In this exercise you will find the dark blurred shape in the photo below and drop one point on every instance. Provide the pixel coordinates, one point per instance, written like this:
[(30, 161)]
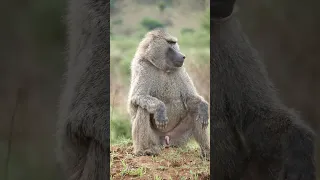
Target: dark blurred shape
[(221, 8), (32, 37), (286, 34)]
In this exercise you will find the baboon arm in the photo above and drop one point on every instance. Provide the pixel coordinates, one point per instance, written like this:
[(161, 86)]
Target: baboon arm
[(151, 104), (92, 123), (140, 92), (193, 100)]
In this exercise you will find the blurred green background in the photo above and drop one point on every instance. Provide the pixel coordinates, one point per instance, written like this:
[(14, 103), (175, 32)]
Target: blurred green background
[(32, 61), (189, 21), (33, 49)]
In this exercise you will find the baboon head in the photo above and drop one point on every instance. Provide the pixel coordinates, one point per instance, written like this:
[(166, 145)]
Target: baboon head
[(161, 49)]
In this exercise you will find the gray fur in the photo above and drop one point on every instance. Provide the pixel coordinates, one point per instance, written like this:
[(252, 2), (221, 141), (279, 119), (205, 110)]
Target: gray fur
[(83, 126), (255, 136), (163, 100)]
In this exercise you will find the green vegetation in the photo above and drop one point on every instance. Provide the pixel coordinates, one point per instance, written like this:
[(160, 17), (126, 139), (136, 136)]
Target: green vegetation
[(150, 24), (120, 128), (206, 20), (162, 6)]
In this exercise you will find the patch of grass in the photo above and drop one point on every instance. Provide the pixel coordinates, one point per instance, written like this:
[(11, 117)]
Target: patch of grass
[(122, 141), (157, 177), (176, 163), (132, 171), (120, 128), (162, 168), (194, 175)]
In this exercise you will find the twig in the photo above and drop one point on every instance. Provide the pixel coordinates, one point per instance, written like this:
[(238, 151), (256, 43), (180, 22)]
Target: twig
[(6, 171)]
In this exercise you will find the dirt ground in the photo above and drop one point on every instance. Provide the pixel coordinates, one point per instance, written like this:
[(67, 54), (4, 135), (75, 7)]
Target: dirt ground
[(172, 163)]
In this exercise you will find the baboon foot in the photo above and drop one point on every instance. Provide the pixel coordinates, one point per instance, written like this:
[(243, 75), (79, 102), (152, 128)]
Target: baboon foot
[(148, 152), (205, 154)]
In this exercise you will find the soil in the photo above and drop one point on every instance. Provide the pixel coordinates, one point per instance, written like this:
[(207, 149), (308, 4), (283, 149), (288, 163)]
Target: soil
[(172, 163)]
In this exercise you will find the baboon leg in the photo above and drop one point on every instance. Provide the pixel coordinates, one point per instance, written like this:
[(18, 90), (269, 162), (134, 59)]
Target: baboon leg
[(145, 140), (202, 138), (189, 127), (96, 165), (180, 139), (181, 134)]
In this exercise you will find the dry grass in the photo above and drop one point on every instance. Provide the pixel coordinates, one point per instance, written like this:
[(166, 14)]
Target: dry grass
[(172, 163)]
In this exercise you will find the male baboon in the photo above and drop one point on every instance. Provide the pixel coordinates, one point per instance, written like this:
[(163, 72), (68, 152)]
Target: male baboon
[(164, 105), (254, 136), (83, 129)]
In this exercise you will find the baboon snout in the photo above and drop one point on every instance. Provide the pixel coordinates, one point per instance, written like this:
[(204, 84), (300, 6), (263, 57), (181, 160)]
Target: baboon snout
[(179, 59), (175, 57)]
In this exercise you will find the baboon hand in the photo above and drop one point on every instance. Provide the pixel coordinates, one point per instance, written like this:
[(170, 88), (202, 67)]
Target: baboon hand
[(161, 118), (203, 115)]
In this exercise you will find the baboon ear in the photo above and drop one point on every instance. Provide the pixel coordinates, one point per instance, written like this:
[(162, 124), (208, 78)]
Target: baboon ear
[(148, 47), (149, 50)]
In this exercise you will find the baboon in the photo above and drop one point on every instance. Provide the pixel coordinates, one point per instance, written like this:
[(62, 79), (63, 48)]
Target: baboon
[(254, 135), (83, 124), (164, 106)]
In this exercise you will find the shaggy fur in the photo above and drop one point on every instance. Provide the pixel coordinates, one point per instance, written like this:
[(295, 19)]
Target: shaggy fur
[(83, 128), (163, 102), (254, 136)]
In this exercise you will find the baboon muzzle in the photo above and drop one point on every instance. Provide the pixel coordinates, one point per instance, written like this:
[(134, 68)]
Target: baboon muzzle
[(176, 57)]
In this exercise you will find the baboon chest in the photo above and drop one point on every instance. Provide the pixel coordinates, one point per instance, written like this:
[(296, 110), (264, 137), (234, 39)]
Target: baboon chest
[(167, 89), (171, 92)]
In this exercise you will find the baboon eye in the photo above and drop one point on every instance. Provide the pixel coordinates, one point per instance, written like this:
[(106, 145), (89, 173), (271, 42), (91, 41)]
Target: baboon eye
[(171, 42)]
